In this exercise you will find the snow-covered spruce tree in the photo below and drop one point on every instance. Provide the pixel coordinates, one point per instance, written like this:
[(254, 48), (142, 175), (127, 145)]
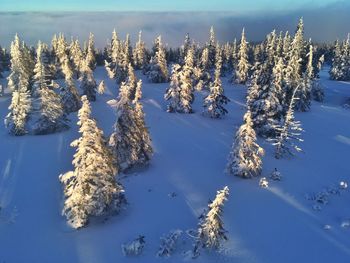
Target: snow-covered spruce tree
[(60, 54), (234, 55), (241, 71), (16, 65), (88, 83), (76, 55), (201, 73), (46, 114), (186, 87), (20, 107), (113, 53), (345, 60), (304, 101), (289, 131), (227, 61), (317, 91), (132, 82), (279, 47), (139, 53), (266, 98), (68, 92), (91, 189), (215, 101), (19, 81), (130, 141), (270, 50), (157, 69), (300, 44), (211, 230), (22, 65), (286, 46), (90, 55), (114, 48), (145, 139), (2, 61), (101, 89), (211, 48), (172, 93), (168, 243), (119, 59), (128, 49), (335, 72), (245, 157), (294, 65), (180, 92)]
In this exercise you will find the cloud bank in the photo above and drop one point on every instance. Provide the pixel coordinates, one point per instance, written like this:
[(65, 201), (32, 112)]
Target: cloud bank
[(322, 25)]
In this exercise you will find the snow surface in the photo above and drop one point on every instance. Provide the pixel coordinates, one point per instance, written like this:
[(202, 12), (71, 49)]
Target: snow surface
[(274, 224)]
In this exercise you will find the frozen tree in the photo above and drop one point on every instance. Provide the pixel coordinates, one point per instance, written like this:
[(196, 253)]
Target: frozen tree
[(20, 107), (241, 71), (234, 55), (211, 230), (2, 62), (293, 71), (19, 81), (90, 54), (279, 47), (211, 48), (180, 92), (138, 92), (173, 94), (135, 247), (88, 83), (69, 95), (276, 175), (101, 87), (186, 90), (22, 65), (336, 69), (139, 54), (91, 189), (119, 59), (114, 48), (286, 46), (183, 50), (289, 132), (317, 91), (168, 243), (145, 142), (185, 83), (47, 114), (130, 141), (245, 157), (76, 55), (128, 49), (340, 69), (157, 70), (16, 66), (304, 92), (201, 73), (270, 50), (132, 82), (215, 101), (227, 58), (266, 97), (61, 54)]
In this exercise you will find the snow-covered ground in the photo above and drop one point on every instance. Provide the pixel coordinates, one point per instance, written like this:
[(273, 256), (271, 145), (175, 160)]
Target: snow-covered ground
[(277, 224)]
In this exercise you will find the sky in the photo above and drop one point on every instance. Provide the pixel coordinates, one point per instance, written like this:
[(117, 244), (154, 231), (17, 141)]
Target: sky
[(237, 6)]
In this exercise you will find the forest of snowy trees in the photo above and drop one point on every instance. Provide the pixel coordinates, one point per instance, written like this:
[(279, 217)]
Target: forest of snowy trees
[(49, 82)]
